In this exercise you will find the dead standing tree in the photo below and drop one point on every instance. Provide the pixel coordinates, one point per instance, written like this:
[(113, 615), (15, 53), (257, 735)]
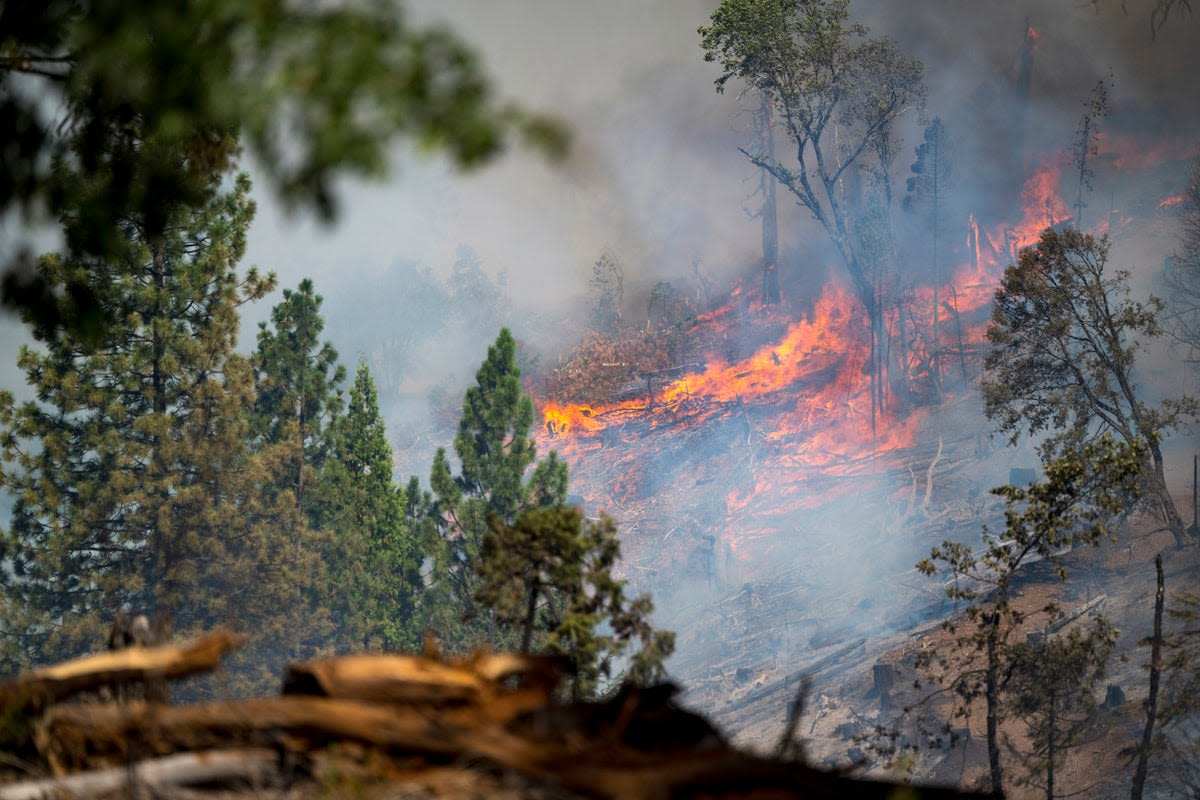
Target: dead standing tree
[(836, 92)]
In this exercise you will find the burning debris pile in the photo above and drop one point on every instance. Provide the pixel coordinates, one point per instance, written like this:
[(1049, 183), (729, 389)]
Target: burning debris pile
[(488, 725)]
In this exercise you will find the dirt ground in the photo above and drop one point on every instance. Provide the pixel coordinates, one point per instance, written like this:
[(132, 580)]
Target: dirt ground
[(911, 731)]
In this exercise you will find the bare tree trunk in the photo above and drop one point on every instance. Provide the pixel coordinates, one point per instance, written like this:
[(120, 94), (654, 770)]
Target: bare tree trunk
[(962, 354), (1050, 720), (770, 221), (992, 696), (1169, 512), (1139, 774)]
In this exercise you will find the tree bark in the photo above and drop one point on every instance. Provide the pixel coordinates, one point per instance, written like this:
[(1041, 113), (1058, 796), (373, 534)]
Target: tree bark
[(992, 696), (1050, 720), (770, 219), (1139, 774), (117, 666), (1158, 477), (530, 614)]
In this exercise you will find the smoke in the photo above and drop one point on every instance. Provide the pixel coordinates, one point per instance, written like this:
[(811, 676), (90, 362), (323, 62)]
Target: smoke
[(654, 175)]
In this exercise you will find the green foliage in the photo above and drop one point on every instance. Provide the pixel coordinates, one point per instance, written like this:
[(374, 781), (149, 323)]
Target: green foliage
[(1052, 688), (297, 400), (550, 574), (132, 481), (837, 93), (494, 451), (1065, 336), (298, 379), (374, 564), (514, 567), (1071, 506), (151, 100), (1178, 715)]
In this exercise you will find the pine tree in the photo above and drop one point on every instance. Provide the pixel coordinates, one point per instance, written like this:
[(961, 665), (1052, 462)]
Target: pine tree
[(297, 402), (373, 562), (515, 567), (495, 451), (298, 396), (1051, 686), (1072, 506), (549, 574), (133, 486)]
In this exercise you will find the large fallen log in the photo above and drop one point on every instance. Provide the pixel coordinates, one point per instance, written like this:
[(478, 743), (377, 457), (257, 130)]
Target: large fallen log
[(250, 768), (597, 750), (89, 673), (86, 736), (397, 678), (383, 717)]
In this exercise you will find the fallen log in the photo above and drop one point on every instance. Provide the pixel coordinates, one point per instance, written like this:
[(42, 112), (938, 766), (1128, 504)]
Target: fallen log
[(85, 736), (1068, 617), (602, 751), (250, 768), (397, 678), (89, 673)]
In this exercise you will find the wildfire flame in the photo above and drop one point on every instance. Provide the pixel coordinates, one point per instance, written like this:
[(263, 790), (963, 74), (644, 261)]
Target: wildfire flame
[(807, 396)]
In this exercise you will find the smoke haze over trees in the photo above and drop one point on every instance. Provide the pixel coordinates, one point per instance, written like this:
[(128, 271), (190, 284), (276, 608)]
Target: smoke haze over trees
[(776, 441)]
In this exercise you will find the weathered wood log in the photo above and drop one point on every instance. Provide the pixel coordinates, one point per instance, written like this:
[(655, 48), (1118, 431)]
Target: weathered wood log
[(86, 736), (165, 662), (1070, 616), (636, 746), (249, 767), (392, 677)]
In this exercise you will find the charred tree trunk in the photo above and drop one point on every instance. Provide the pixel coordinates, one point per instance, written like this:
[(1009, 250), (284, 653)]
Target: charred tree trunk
[(770, 219), (962, 353), (1139, 774), (1024, 82)]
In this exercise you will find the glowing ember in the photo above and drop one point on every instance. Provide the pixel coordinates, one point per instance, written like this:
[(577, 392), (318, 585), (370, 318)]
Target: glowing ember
[(1173, 200)]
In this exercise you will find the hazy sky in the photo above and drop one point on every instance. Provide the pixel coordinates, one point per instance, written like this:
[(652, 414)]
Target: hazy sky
[(654, 173)]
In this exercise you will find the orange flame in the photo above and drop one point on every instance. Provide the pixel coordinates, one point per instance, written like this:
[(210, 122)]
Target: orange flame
[(1173, 200), (810, 390)]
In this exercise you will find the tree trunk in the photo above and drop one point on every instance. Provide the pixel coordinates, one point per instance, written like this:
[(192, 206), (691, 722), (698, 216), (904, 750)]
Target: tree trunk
[(937, 277), (770, 221), (1169, 512), (161, 586), (1050, 720), (530, 614), (992, 696), (1139, 774)]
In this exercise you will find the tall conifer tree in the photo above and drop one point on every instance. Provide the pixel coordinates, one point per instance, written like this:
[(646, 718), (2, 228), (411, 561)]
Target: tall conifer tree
[(374, 563), (131, 481), (495, 450), (298, 379)]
